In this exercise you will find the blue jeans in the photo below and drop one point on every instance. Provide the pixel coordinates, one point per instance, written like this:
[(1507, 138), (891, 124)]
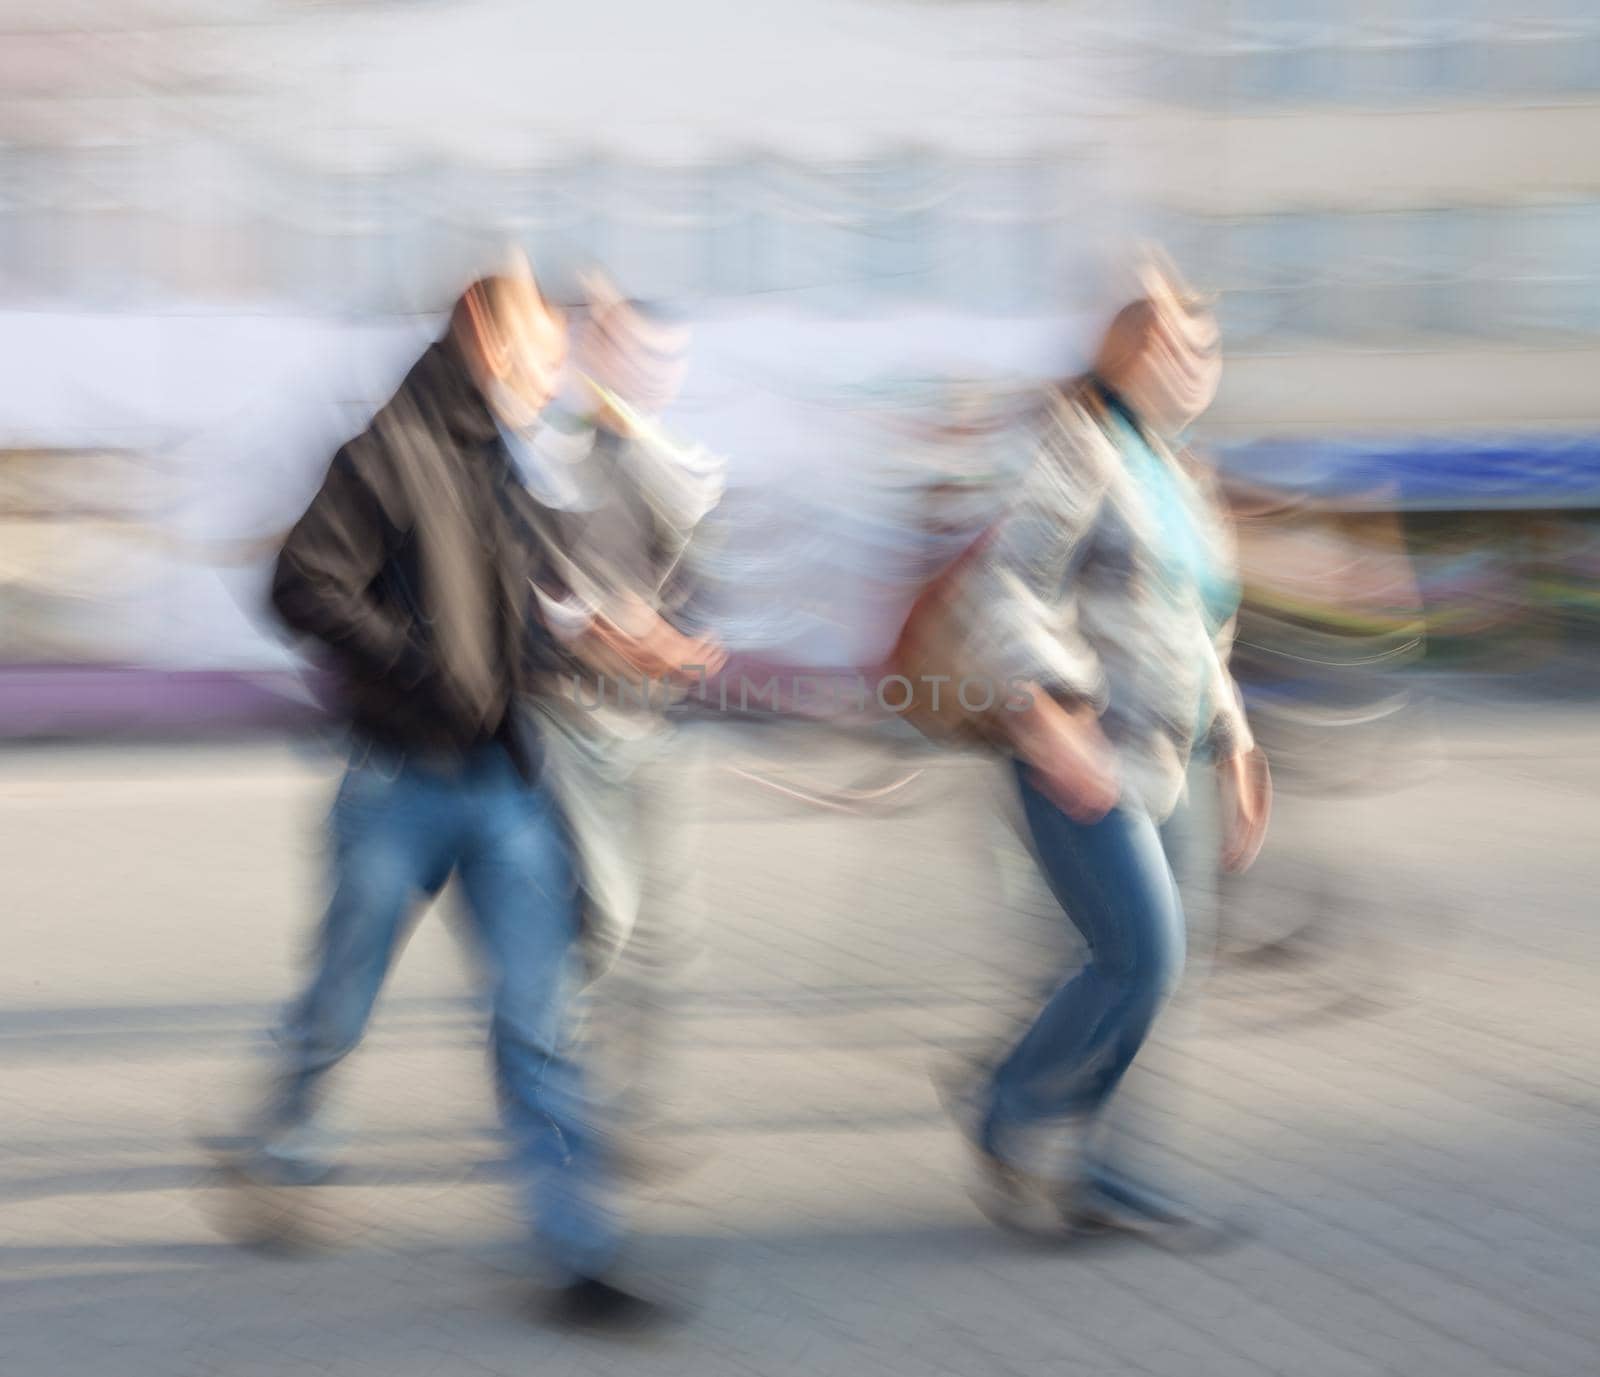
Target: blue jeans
[(399, 828), (1113, 880)]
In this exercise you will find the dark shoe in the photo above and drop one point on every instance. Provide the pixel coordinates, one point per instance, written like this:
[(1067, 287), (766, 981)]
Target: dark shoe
[(596, 1304), (293, 1155), (261, 1199), (1012, 1197), (964, 1091), (1115, 1206)]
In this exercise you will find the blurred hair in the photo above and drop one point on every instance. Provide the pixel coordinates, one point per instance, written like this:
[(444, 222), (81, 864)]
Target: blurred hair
[(1134, 327), (491, 295), (1127, 337), (565, 280)]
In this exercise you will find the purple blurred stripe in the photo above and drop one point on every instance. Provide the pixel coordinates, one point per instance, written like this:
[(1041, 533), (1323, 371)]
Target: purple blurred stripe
[(76, 700), (39, 701)]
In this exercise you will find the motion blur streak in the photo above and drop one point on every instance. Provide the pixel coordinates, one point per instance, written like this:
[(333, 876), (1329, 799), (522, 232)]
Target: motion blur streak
[(916, 609)]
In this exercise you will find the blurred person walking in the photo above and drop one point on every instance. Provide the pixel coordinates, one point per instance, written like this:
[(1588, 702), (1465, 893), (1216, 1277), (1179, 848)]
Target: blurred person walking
[(414, 568), (1103, 590), (619, 502)]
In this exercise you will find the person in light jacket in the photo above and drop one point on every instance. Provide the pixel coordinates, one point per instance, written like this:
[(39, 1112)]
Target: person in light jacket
[(1105, 592)]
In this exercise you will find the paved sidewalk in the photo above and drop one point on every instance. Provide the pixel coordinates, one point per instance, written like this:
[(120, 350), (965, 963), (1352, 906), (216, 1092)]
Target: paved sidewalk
[(1410, 1123)]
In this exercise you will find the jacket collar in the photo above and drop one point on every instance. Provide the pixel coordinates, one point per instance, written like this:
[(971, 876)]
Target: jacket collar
[(1113, 401), (442, 380)]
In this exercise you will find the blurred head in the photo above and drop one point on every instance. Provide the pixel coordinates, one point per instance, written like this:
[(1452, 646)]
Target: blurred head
[(514, 342), (629, 346), (1162, 355)]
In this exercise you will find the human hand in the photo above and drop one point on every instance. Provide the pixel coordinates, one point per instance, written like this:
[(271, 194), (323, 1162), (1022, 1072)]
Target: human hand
[(1071, 760), (1246, 794)]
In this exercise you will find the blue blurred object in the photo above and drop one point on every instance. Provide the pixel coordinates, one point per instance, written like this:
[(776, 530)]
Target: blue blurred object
[(1509, 473)]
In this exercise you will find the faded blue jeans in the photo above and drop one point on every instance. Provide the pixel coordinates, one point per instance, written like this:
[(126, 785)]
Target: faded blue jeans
[(1113, 881), (399, 828)]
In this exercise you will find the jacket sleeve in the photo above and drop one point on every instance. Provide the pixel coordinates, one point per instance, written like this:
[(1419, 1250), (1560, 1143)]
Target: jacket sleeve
[(682, 482), (1018, 608), (1227, 732), (322, 584)]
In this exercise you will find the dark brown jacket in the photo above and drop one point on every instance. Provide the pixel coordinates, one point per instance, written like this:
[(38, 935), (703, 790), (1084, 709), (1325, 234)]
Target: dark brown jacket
[(414, 568)]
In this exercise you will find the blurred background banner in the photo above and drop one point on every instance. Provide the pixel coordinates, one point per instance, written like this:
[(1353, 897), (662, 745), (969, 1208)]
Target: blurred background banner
[(228, 225)]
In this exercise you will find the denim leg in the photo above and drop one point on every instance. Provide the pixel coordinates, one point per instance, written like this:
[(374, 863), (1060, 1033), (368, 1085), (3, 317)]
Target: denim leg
[(1112, 879), (518, 880), (390, 828)]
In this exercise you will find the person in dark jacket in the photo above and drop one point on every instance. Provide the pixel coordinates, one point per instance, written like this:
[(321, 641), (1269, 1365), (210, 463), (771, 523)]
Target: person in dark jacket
[(418, 571)]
